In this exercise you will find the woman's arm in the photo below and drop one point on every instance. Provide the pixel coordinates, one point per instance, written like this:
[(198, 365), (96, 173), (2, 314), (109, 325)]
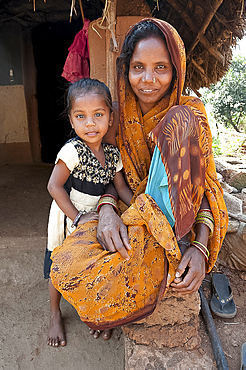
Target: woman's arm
[(110, 136), (111, 231), (194, 260), (123, 190)]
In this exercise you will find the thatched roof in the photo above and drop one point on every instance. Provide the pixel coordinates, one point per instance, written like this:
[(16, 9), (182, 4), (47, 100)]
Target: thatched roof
[(209, 28)]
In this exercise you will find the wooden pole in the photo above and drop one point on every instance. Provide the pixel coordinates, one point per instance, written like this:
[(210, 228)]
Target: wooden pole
[(203, 40), (110, 50), (214, 7)]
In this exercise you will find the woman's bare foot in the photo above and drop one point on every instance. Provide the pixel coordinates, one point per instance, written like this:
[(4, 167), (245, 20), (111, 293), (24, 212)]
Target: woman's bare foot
[(106, 334), (56, 333)]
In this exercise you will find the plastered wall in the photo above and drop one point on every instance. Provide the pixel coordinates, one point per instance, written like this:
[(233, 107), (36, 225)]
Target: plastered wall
[(14, 138)]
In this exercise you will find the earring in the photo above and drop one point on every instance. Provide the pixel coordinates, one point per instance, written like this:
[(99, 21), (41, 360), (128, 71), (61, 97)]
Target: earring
[(154, 80)]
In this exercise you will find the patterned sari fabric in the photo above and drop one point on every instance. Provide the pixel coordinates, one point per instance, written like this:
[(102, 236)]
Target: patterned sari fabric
[(106, 290)]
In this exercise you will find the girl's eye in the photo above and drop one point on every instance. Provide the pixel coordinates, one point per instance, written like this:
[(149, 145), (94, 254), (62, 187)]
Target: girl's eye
[(160, 66), (80, 116), (98, 115)]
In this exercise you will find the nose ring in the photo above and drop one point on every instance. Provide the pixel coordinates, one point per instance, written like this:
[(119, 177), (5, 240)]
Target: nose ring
[(154, 80)]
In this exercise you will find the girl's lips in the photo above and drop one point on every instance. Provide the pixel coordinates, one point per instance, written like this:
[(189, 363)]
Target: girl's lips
[(92, 133)]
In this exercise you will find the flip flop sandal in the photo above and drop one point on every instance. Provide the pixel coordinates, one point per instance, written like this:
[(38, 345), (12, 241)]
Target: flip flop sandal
[(222, 303), (243, 356)]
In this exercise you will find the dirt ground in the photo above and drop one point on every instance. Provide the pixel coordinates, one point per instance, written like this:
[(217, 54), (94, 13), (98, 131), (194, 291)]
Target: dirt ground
[(24, 305)]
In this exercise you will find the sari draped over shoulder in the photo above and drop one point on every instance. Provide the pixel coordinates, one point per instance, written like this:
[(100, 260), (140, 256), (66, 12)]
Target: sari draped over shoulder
[(106, 290)]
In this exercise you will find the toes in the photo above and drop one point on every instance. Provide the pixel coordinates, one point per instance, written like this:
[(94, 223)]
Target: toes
[(54, 342), (107, 334), (97, 334), (91, 331)]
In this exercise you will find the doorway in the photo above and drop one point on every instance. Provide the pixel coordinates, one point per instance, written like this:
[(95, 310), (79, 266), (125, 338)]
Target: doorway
[(50, 47)]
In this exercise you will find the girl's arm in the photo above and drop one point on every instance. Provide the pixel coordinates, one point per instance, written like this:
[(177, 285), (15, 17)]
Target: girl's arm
[(56, 189), (123, 190)]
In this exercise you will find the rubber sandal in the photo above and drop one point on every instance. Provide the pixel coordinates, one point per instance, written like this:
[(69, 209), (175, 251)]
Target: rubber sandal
[(222, 303), (243, 356)]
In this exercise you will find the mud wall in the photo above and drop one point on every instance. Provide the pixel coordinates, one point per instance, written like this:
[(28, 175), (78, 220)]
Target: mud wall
[(14, 130)]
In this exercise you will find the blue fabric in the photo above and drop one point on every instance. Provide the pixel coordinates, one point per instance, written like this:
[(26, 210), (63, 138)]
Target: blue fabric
[(157, 186)]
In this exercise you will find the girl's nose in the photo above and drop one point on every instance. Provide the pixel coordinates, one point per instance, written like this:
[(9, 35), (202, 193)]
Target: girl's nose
[(90, 122)]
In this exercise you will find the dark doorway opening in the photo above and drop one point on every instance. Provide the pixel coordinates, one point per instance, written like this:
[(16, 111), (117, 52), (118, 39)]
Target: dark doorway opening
[(50, 45)]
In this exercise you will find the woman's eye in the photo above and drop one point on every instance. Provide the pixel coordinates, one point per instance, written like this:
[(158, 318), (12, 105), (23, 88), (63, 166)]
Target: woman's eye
[(160, 66), (98, 115), (80, 116), (138, 67)]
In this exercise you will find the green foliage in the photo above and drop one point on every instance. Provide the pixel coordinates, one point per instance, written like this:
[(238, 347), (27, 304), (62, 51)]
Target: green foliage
[(228, 97), (217, 147), (229, 143)]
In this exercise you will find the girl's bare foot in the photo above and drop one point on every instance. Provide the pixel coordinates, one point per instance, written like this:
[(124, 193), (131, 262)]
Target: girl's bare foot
[(56, 333), (106, 334)]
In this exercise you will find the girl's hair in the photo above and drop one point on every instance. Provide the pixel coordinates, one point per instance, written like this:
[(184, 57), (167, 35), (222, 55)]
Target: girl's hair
[(87, 86), (140, 31)]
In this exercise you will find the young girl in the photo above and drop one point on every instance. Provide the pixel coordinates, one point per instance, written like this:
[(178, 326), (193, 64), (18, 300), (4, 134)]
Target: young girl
[(83, 169)]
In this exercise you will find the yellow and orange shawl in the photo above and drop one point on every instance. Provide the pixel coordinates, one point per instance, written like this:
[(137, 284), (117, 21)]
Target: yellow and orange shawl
[(106, 290)]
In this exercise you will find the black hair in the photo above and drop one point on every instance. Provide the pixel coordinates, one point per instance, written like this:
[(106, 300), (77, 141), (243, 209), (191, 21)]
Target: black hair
[(86, 86), (139, 31)]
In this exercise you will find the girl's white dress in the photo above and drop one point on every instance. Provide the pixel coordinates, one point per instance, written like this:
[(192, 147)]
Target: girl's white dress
[(87, 182)]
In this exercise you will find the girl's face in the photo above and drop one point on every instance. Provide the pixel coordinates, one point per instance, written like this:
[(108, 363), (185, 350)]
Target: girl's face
[(90, 117), (150, 72)]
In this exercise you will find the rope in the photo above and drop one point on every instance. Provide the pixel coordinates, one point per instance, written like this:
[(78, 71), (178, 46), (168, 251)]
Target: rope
[(72, 9), (109, 26)]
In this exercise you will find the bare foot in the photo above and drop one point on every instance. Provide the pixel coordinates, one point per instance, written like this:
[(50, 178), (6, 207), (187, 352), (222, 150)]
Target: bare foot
[(56, 333), (106, 334)]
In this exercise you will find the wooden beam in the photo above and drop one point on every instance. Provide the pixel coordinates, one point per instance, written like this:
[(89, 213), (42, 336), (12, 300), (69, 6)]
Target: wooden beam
[(203, 40), (200, 69), (110, 52), (206, 22)]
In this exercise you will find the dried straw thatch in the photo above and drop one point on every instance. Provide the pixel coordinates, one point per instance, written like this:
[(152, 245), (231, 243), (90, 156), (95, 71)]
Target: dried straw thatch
[(209, 28)]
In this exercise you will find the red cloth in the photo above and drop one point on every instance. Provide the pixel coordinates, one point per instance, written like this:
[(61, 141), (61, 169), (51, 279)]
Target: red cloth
[(77, 62)]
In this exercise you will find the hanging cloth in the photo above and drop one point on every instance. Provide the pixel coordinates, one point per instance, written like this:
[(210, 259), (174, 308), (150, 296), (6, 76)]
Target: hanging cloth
[(78, 59)]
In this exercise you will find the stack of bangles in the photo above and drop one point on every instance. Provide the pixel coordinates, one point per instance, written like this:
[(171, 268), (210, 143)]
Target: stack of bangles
[(205, 216), (108, 199), (204, 250)]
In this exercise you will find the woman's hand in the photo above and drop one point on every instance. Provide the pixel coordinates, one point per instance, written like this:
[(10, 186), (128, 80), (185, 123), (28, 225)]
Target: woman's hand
[(112, 233), (90, 216), (193, 261)]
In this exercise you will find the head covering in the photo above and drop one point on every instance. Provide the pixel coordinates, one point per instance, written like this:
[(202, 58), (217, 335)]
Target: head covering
[(175, 130), (176, 50), (134, 128)]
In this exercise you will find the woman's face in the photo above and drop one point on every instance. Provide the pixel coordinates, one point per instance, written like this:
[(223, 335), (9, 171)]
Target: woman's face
[(150, 72)]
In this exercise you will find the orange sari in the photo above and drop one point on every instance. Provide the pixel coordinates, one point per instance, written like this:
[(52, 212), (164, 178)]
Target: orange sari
[(106, 290)]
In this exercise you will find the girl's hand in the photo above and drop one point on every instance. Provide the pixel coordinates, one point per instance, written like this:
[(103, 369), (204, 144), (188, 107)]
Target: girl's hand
[(112, 233), (91, 216), (193, 261)]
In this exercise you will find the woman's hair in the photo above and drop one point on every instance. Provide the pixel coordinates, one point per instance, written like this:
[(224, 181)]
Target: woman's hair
[(87, 86), (139, 31)]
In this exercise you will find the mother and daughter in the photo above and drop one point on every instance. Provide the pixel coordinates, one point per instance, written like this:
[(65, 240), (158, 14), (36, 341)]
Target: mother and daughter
[(114, 265)]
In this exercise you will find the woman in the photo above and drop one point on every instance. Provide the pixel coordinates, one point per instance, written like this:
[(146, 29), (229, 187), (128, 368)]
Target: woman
[(166, 148)]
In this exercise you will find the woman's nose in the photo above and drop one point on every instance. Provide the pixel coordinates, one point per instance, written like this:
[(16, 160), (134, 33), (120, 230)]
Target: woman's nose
[(148, 76)]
